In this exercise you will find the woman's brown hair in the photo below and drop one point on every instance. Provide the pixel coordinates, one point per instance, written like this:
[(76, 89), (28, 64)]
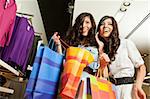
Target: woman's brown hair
[(74, 35), (113, 43)]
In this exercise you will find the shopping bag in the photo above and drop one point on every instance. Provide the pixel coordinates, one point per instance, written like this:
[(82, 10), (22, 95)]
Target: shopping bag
[(48, 76), (45, 74), (76, 60), (88, 90), (79, 93), (33, 76), (84, 89), (101, 88)]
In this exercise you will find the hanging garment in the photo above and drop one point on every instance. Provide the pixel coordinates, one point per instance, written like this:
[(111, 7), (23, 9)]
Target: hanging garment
[(34, 49), (21, 44), (7, 21), (32, 54), (6, 51)]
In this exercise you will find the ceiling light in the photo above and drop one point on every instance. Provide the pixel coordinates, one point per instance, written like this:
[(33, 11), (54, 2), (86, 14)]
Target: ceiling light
[(123, 9), (126, 3)]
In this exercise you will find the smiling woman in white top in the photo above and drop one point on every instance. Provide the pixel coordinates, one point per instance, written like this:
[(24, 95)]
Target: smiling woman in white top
[(124, 57)]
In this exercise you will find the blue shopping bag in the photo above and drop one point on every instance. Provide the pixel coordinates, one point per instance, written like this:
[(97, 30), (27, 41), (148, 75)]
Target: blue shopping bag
[(48, 74), (34, 74)]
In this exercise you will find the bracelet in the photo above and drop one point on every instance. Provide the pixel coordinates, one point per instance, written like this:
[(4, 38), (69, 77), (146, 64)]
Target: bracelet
[(58, 44)]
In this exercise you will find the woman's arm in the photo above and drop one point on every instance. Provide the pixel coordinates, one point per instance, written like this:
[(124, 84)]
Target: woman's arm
[(56, 39), (137, 87), (141, 72), (103, 58), (59, 48)]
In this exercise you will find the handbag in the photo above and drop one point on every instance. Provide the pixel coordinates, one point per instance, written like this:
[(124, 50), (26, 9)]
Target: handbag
[(76, 60), (47, 72)]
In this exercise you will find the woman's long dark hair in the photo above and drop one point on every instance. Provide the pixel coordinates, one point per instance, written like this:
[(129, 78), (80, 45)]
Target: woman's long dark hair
[(113, 43), (74, 36)]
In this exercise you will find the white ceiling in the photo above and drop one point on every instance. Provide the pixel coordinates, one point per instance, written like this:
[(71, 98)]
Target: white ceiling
[(134, 15)]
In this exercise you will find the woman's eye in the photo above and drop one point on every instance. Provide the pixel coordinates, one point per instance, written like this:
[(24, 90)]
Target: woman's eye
[(102, 23), (87, 22)]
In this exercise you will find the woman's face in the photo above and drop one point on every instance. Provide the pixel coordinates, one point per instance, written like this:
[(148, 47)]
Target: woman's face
[(106, 28), (86, 26)]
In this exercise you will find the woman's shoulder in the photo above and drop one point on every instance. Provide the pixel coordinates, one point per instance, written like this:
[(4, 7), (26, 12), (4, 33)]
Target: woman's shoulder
[(92, 49), (129, 42), (126, 41)]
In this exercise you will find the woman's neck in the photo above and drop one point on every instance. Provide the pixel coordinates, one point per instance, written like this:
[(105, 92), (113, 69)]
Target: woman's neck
[(106, 39)]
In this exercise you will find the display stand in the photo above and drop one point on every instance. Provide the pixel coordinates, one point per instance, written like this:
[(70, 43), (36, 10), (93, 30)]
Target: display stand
[(10, 72)]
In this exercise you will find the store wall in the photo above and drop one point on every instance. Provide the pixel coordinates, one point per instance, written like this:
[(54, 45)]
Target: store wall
[(31, 7)]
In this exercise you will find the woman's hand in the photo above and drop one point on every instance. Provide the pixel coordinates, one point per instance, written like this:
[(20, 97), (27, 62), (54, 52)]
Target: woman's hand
[(138, 92), (56, 38), (104, 60), (100, 43)]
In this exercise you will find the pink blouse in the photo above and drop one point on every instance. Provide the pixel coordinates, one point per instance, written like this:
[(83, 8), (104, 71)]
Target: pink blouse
[(7, 20)]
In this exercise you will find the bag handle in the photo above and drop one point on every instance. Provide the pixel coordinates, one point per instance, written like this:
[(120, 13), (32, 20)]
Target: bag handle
[(51, 41), (102, 72), (64, 44)]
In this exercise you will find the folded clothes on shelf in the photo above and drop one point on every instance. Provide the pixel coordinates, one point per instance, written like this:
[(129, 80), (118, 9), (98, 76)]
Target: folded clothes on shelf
[(2, 80)]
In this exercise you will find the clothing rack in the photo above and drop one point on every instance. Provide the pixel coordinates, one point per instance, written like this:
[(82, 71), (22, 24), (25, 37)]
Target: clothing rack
[(30, 15), (38, 33), (6, 69), (26, 14)]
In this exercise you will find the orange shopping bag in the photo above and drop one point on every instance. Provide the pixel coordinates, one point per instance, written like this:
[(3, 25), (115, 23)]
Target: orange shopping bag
[(76, 60), (102, 89)]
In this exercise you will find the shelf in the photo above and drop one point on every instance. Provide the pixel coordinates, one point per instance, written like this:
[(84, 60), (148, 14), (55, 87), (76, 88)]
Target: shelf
[(147, 77), (8, 67), (146, 83), (11, 73), (6, 90)]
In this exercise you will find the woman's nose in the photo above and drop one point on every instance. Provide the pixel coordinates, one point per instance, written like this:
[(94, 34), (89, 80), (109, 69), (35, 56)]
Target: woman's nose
[(84, 24), (105, 25)]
